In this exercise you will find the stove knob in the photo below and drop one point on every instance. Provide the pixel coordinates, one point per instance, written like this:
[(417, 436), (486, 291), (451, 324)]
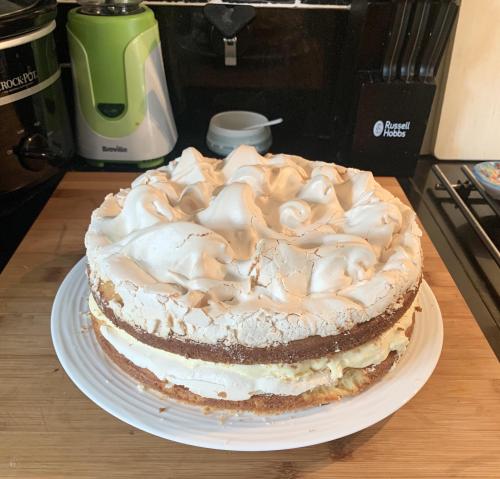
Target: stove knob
[(34, 152)]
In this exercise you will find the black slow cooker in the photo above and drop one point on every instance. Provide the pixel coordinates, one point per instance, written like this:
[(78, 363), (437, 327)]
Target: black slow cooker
[(35, 133)]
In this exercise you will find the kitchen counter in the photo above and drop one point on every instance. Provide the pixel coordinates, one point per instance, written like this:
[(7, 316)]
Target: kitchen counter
[(49, 429)]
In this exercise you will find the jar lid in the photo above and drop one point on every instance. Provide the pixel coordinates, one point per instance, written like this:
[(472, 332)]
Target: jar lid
[(22, 16)]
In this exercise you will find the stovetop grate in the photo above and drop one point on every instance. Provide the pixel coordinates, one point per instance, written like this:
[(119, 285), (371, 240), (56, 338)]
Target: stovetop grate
[(460, 192)]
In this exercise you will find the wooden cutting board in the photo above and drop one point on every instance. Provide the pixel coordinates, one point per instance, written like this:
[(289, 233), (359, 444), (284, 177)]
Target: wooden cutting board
[(49, 429)]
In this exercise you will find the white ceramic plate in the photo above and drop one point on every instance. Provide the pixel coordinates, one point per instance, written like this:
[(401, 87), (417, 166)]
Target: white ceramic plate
[(106, 385)]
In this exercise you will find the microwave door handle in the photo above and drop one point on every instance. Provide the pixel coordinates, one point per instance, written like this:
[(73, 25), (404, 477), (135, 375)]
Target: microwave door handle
[(396, 40), (417, 32)]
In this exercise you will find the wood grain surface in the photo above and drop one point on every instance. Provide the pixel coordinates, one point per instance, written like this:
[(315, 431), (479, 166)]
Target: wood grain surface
[(49, 429)]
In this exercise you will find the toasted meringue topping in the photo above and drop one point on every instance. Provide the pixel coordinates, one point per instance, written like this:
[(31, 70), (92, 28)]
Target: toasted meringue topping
[(253, 250)]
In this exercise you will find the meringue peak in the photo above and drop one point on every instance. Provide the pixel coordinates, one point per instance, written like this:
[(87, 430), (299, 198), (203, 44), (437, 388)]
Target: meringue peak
[(277, 234)]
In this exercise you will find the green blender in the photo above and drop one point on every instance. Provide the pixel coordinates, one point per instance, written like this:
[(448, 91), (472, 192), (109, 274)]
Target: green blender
[(123, 111)]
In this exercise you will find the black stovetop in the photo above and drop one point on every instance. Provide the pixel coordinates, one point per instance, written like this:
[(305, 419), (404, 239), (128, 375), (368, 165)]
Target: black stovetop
[(466, 256)]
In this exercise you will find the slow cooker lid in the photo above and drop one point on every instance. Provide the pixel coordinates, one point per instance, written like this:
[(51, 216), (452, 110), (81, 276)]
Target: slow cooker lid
[(21, 16)]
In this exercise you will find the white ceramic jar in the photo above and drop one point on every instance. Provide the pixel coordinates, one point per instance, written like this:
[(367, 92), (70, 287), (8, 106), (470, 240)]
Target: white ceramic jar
[(226, 132)]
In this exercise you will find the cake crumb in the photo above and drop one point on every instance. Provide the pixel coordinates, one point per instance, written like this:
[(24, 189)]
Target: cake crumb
[(223, 419), (162, 409), (85, 329), (207, 410), (418, 308), (222, 394)]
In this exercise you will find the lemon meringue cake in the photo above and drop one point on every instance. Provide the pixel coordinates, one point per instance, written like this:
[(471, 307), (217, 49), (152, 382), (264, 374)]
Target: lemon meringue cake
[(259, 283)]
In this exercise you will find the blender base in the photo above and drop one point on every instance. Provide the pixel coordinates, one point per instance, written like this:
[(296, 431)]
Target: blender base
[(143, 165)]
